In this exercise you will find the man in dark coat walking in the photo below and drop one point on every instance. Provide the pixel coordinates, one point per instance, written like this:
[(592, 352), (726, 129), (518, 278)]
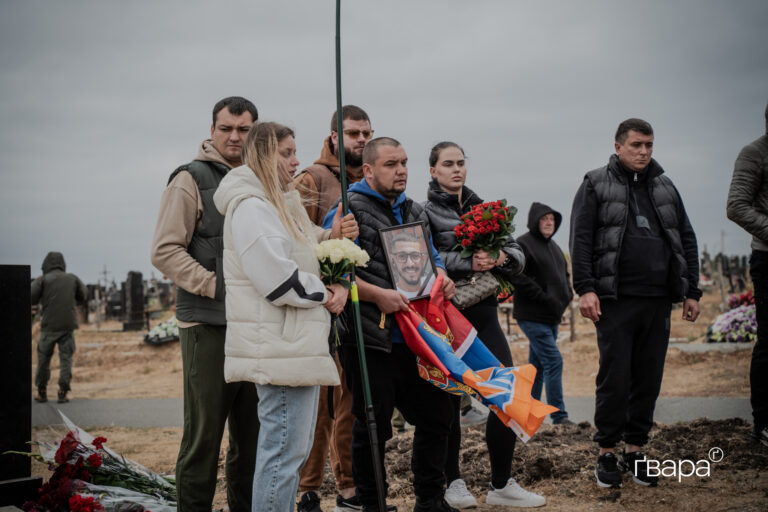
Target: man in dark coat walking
[(748, 207), (542, 292), (633, 254), (58, 292)]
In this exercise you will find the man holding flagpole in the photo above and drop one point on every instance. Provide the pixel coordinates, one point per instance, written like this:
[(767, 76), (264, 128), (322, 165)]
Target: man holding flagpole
[(379, 201), (320, 188)]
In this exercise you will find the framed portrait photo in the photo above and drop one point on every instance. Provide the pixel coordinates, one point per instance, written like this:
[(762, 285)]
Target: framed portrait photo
[(411, 265)]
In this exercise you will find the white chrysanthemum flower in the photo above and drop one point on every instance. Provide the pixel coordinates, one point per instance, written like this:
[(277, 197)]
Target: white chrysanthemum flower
[(362, 259), (336, 254), (335, 251)]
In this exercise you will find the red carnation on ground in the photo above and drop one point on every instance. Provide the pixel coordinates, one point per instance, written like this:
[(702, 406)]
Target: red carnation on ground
[(94, 460), (79, 468), (67, 446), (78, 503)]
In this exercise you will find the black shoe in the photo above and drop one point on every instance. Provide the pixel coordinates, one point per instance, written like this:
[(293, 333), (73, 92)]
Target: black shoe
[(42, 395), (62, 397), (756, 437), (607, 471), (634, 463), (348, 504), (309, 502), (563, 421), (436, 504)]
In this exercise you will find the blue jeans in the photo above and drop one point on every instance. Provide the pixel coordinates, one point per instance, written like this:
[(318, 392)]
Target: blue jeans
[(287, 415), (545, 356)]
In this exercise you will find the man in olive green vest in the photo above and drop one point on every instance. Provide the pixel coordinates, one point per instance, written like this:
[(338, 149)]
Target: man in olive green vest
[(187, 247)]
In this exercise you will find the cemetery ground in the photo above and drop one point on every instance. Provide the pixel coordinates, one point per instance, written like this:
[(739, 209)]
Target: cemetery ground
[(557, 463)]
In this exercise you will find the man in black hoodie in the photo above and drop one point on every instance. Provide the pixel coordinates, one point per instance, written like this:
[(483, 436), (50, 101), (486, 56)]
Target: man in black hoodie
[(633, 253), (542, 292), (58, 292)]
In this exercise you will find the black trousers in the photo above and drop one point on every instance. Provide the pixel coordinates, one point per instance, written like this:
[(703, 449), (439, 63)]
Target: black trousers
[(499, 438), (632, 336), (758, 370), (395, 382)]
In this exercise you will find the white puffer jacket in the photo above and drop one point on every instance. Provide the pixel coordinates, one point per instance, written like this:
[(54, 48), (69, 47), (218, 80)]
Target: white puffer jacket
[(277, 328)]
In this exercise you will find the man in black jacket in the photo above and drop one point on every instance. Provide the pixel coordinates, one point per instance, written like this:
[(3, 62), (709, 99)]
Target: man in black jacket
[(58, 292), (542, 292), (748, 207), (633, 254), (379, 201)]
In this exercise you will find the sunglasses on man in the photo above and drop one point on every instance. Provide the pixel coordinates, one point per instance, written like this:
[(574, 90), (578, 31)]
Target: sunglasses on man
[(367, 134)]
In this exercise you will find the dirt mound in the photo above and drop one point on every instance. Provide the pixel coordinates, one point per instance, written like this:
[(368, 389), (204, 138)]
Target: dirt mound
[(559, 464)]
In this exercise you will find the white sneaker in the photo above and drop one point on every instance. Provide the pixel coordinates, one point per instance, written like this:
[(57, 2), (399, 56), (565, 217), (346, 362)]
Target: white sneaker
[(474, 416), (513, 495), (458, 496)]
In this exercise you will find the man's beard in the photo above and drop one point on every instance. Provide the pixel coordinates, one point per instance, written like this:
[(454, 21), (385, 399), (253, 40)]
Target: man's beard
[(352, 159), (412, 281)]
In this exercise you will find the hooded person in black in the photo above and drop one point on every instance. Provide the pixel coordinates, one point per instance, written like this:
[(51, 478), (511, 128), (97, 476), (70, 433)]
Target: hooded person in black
[(542, 292), (58, 292)]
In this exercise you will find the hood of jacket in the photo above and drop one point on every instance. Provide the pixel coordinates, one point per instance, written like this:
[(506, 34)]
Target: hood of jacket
[(207, 153), (537, 211), (362, 187), (242, 182), (54, 261), (238, 182), (330, 160), (327, 157)]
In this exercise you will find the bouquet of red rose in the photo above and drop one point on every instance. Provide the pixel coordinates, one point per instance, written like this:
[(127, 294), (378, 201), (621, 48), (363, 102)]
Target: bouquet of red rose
[(487, 227)]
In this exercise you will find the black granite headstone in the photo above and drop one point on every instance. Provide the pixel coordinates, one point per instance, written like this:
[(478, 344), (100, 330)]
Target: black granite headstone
[(16, 485), (134, 302)]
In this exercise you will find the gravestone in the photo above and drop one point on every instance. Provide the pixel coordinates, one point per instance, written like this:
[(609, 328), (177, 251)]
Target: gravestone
[(134, 302), (16, 485)]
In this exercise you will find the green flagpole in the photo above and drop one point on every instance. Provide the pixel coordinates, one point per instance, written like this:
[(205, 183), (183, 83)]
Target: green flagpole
[(369, 413)]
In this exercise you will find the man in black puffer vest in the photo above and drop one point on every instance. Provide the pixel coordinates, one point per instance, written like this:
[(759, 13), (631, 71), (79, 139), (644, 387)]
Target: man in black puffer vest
[(542, 292), (379, 201), (633, 254), (188, 248)]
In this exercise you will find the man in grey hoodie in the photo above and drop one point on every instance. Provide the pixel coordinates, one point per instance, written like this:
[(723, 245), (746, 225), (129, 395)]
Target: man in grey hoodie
[(748, 207), (58, 292)]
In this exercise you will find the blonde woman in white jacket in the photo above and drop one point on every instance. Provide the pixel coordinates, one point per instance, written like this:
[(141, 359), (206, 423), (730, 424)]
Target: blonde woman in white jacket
[(278, 309)]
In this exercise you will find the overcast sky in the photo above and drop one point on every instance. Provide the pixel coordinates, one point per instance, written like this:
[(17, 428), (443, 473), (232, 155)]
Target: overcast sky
[(101, 100)]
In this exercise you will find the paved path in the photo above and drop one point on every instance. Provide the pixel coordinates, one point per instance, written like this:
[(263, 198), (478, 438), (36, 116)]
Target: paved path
[(712, 347), (168, 412)]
